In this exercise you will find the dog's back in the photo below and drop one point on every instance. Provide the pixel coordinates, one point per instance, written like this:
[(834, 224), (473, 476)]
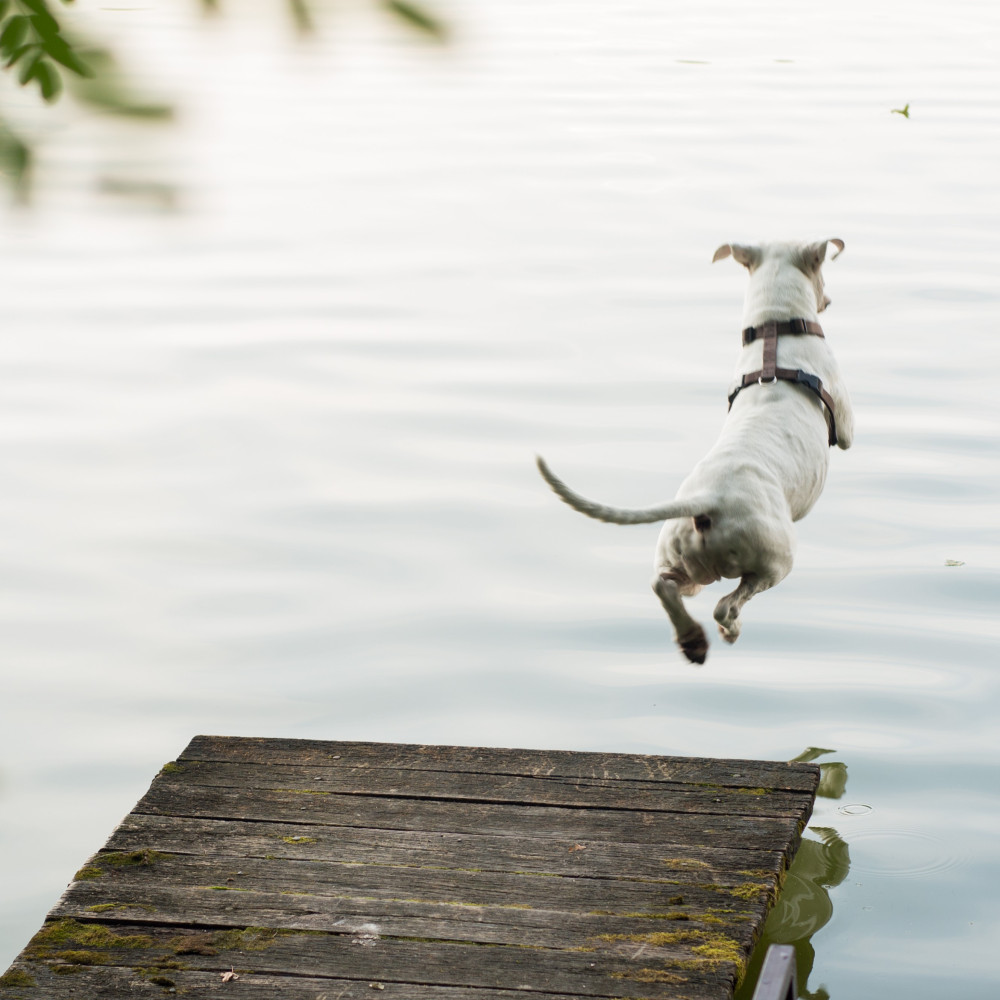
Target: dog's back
[(732, 516)]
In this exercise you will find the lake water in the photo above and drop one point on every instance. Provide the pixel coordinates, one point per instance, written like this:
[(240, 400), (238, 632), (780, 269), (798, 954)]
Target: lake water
[(266, 455)]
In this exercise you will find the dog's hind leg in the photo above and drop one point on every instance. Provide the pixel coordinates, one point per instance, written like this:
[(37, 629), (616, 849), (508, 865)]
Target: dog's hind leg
[(670, 586), (727, 611)]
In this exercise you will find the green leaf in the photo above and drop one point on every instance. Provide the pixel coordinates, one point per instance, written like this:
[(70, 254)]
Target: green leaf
[(48, 79), (59, 50), (46, 26), (14, 34), (18, 52), (28, 69), (4, 7), (417, 17), (38, 6)]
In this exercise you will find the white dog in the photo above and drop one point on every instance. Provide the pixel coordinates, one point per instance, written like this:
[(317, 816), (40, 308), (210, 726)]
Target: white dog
[(733, 515)]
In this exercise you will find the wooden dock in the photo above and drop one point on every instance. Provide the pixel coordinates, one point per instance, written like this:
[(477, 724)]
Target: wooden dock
[(306, 870)]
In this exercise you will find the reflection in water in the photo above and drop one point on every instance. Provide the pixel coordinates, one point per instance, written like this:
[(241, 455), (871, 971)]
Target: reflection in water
[(832, 774), (804, 905)]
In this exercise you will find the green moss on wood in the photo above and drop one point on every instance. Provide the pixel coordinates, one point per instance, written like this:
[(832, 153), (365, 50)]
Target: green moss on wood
[(129, 859), (172, 767), (84, 957), (88, 873), (659, 939), (160, 966), (753, 890), (711, 947), (723, 950), (91, 939), (16, 978), (195, 944), (250, 938), (716, 914), (106, 907), (650, 976), (300, 840), (686, 864)]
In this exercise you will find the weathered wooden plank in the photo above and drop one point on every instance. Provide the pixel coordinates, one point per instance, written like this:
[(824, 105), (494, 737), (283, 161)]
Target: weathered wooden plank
[(167, 905), (416, 848), (564, 823), (595, 968), (429, 873), (94, 983), (538, 891), (530, 763), (485, 787)]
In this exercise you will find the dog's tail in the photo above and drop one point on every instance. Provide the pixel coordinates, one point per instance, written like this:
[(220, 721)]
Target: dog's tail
[(694, 507)]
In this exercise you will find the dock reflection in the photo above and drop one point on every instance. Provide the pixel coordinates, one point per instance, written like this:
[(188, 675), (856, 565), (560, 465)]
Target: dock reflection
[(804, 906)]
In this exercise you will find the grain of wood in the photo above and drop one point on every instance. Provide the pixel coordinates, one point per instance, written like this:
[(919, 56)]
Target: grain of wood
[(345, 870)]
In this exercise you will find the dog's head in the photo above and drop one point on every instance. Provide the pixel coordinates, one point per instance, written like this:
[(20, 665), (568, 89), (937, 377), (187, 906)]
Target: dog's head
[(806, 257)]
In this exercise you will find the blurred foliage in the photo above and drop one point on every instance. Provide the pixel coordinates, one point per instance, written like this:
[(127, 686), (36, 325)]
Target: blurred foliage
[(31, 41), (417, 17), (106, 87), (15, 160), (33, 46)]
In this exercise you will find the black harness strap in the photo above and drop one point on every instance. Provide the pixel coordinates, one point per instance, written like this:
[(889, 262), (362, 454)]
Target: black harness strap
[(770, 373)]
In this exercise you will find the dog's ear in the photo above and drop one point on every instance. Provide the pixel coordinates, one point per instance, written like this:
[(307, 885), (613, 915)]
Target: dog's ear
[(814, 254), (749, 257)]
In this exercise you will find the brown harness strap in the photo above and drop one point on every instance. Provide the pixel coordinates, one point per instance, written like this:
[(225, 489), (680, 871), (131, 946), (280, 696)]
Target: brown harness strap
[(751, 333), (770, 373)]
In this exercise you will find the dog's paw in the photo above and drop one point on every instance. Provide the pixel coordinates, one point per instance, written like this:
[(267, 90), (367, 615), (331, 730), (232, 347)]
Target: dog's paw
[(732, 633), (694, 644), (728, 620)]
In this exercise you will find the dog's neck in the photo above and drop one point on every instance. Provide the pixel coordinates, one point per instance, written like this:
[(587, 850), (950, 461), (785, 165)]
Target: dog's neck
[(778, 293)]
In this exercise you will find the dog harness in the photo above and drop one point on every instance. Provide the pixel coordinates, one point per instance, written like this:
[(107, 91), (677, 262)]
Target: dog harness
[(770, 373)]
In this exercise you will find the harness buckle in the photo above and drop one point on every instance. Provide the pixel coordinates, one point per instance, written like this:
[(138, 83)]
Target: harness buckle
[(770, 381)]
